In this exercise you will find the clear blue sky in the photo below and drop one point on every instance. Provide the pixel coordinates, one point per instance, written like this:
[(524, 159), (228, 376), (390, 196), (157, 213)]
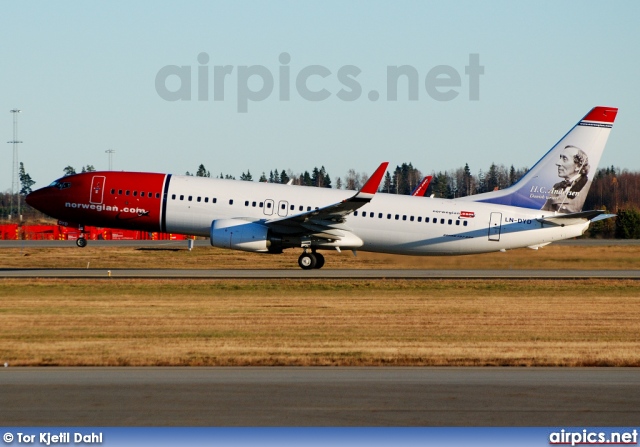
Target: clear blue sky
[(84, 75)]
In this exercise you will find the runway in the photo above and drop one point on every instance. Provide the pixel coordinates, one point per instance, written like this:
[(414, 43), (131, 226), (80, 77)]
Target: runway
[(316, 274), (320, 396)]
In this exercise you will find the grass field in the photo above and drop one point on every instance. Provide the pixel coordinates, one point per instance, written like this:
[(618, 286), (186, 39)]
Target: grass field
[(319, 322), (615, 257)]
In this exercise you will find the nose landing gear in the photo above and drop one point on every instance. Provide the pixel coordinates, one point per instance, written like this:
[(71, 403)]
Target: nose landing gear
[(81, 241)]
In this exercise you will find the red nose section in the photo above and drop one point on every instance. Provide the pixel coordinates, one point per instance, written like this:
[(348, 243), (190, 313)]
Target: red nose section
[(41, 199)]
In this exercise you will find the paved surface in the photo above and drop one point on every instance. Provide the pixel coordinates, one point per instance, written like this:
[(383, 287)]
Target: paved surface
[(318, 274), (205, 243), (320, 396)]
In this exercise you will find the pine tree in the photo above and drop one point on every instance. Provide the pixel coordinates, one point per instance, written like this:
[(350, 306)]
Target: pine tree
[(25, 181), (202, 172), (69, 170)]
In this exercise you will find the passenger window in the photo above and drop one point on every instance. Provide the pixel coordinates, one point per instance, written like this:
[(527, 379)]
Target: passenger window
[(126, 193), (419, 218), (308, 208), (457, 222), (370, 214), (426, 220), (388, 216), (442, 221), (292, 207), (283, 207), (269, 205), (190, 198), (397, 216), (450, 221), (246, 203), (181, 197), (206, 200), (113, 191), (135, 193), (157, 195), (119, 192), (142, 194), (404, 217), (355, 213), (411, 218), (214, 200), (253, 204), (199, 199), (173, 197), (261, 205), (230, 201), (379, 215), (464, 223)]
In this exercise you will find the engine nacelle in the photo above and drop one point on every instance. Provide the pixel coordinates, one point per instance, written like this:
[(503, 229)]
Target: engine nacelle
[(239, 234)]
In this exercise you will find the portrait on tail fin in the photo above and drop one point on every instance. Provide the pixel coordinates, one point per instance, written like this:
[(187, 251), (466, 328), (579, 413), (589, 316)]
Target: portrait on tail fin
[(568, 195)]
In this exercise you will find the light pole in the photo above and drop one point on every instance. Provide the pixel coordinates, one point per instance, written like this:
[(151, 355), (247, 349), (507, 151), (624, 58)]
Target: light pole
[(110, 152), (15, 181)]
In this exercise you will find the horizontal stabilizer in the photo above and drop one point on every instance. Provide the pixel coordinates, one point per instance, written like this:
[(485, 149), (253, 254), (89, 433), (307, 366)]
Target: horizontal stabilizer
[(576, 218)]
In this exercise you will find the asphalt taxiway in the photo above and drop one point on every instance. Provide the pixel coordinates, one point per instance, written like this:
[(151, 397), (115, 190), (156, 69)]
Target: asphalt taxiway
[(319, 396)]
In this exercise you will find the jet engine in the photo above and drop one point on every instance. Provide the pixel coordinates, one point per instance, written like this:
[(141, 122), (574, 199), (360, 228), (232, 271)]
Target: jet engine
[(238, 234)]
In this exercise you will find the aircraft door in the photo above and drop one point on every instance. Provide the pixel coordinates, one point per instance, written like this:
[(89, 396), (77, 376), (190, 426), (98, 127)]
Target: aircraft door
[(283, 208), (494, 226), (268, 207), (97, 189)]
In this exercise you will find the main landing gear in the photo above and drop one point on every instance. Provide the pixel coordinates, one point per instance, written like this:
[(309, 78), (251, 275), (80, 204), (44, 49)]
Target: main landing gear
[(308, 261)]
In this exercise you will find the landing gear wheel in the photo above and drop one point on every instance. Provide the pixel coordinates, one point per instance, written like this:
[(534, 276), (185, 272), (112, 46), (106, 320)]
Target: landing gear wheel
[(319, 260), (81, 242), (307, 261)]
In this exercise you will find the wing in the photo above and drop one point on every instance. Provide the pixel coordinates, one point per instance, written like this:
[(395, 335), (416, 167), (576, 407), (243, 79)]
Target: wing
[(328, 222)]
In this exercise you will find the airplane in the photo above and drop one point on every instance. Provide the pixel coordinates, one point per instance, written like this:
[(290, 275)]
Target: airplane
[(270, 218), (421, 189)]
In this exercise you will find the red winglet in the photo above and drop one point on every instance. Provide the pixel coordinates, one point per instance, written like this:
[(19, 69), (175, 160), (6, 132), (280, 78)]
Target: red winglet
[(602, 114), (422, 187), (374, 181)]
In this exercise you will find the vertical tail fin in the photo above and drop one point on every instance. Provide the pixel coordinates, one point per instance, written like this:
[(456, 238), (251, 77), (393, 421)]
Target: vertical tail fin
[(561, 179)]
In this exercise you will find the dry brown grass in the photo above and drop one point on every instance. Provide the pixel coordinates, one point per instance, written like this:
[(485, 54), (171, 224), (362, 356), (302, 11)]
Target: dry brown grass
[(616, 257), (314, 322)]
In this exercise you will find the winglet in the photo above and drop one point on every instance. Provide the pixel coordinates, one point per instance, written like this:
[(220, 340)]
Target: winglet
[(374, 181), (421, 189)]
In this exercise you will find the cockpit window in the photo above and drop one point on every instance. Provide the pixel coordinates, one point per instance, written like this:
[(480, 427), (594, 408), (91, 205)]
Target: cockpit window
[(61, 184)]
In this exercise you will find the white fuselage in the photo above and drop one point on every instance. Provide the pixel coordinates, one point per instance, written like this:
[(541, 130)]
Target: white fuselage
[(389, 223)]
